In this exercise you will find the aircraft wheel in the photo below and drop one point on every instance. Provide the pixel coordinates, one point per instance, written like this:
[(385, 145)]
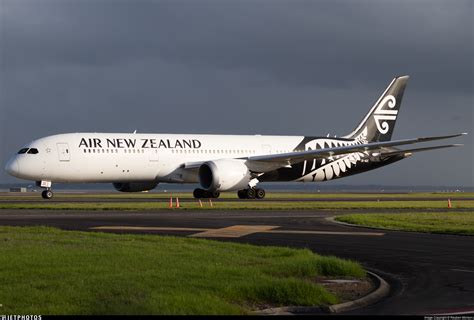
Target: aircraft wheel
[(201, 193), (250, 193), (242, 194), (260, 194), (198, 193), (47, 194)]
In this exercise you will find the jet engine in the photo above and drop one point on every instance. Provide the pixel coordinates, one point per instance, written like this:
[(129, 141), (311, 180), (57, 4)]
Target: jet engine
[(224, 175), (135, 186)]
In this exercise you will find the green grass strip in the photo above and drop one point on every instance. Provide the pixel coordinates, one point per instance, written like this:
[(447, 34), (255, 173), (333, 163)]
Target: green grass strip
[(49, 271), (435, 222), (241, 205)]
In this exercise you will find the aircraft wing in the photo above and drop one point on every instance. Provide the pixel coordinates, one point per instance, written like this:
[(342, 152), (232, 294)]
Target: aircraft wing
[(264, 163), (295, 157)]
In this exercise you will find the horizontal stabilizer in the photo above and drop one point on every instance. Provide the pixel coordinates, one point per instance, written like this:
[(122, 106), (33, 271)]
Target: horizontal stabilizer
[(409, 151), (441, 137)]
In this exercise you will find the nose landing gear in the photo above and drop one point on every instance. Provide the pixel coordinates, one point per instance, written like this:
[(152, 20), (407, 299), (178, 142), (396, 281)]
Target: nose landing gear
[(48, 193)]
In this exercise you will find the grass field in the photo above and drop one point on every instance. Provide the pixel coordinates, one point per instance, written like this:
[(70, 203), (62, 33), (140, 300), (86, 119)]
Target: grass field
[(242, 205), (48, 271), (435, 222)]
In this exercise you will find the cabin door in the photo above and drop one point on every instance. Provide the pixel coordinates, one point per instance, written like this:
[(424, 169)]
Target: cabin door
[(63, 152)]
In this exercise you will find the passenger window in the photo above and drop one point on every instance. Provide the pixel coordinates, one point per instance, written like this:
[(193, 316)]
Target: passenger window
[(24, 150), (33, 151)]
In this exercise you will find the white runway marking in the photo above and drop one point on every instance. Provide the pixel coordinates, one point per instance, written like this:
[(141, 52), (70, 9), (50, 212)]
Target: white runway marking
[(236, 231), (462, 270)]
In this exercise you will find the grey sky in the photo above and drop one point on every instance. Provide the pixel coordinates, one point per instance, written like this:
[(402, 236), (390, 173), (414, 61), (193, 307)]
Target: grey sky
[(261, 66)]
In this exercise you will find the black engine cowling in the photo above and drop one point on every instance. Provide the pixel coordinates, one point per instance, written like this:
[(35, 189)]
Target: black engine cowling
[(135, 186)]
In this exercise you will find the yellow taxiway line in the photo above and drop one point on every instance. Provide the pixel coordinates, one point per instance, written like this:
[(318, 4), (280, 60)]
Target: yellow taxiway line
[(236, 231)]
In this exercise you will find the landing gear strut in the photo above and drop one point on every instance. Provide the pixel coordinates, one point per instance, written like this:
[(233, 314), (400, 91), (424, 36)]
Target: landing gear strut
[(201, 193), (251, 193)]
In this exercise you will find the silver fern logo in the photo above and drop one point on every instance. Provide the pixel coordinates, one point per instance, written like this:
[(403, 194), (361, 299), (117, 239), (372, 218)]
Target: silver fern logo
[(381, 115), (332, 167)]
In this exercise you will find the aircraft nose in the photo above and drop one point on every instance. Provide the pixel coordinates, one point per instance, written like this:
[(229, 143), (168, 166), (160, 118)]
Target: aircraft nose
[(12, 167)]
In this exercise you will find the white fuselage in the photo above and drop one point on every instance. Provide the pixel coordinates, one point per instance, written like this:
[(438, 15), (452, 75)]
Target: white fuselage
[(116, 157)]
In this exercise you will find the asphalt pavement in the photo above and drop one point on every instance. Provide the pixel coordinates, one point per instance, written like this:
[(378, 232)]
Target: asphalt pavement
[(428, 273)]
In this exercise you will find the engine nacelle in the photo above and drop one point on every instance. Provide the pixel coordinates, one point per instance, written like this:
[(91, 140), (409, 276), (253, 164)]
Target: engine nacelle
[(224, 175), (135, 186)]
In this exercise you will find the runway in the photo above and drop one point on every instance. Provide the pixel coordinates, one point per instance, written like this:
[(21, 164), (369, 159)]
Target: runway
[(428, 273)]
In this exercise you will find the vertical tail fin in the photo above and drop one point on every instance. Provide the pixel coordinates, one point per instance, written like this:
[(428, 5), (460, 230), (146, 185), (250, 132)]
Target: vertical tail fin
[(378, 124)]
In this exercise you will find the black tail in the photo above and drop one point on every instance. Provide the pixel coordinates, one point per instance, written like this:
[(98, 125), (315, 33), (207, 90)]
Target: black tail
[(378, 124)]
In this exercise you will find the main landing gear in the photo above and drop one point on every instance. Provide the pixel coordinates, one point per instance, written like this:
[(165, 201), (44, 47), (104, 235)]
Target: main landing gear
[(201, 193), (251, 193)]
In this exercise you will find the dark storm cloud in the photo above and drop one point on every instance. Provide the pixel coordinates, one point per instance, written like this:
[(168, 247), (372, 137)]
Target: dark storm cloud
[(302, 42), (270, 67)]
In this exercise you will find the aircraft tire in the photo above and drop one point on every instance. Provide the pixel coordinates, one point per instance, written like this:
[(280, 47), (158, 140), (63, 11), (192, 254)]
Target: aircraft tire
[(47, 194), (260, 193), (250, 193), (198, 193), (242, 194)]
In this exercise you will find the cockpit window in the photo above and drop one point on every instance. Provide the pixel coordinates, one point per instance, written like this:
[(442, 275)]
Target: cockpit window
[(23, 151), (33, 151)]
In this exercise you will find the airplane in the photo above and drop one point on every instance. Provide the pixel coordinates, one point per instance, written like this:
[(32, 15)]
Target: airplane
[(135, 162)]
